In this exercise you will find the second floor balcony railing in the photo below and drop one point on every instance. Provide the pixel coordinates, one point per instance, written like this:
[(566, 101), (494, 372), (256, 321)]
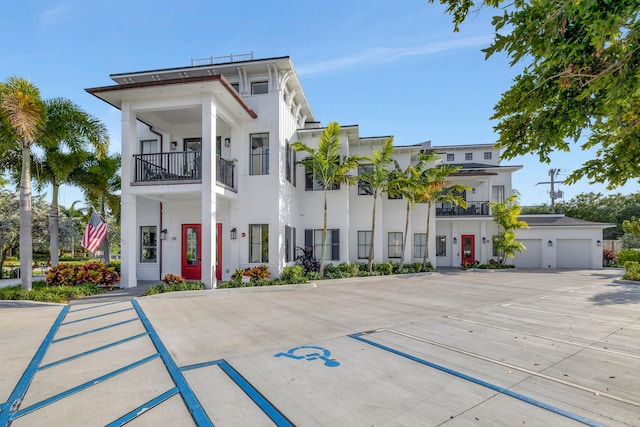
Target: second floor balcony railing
[(473, 208), (180, 166)]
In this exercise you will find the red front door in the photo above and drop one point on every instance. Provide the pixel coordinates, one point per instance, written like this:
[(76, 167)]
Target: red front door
[(218, 251), (468, 249), (192, 251)]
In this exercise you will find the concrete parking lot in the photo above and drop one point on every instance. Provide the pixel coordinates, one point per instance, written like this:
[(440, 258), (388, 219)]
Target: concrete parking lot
[(454, 348)]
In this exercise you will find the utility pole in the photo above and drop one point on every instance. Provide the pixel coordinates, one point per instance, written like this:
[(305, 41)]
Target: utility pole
[(553, 173)]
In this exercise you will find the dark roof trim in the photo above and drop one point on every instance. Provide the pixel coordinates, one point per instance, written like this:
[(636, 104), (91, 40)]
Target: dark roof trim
[(218, 77)]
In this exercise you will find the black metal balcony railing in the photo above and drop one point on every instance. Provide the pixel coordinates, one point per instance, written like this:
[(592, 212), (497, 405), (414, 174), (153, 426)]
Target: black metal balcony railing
[(473, 208), (179, 166)]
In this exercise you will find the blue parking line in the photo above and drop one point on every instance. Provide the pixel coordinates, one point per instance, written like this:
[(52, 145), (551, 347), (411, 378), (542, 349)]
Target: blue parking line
[(10, 408), (96, 306), (481, 382), (189, 398), (94, 350), (143, 408), (271, 411), (94, 330), (81, 387), (97, 315)]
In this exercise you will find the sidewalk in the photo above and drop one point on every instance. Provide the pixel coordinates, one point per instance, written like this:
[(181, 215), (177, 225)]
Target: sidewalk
[(16, 281)]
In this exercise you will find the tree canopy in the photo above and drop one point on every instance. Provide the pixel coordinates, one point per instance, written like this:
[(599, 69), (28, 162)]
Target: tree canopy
[(580, 83)]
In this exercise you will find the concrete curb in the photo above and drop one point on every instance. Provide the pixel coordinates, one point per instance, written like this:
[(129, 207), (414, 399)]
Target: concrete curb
[(626, 282), (248, 289)]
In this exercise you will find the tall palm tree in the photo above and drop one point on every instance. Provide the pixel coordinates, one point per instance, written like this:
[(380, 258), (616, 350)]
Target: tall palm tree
[(434, 188), (375, 180), (328, 169), (405, 183), (23, 115), (100, 183), (68, 136)]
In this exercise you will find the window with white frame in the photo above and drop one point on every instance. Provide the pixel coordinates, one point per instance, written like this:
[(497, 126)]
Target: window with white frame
[(258, 243), (149, 146), (313, 239), (451, 157), (259, 160), (394, 244), (148, 243), (487, 155), (468, 156), (419, 244), (259, 88), (441, 245), (497, 193), (364, 244)]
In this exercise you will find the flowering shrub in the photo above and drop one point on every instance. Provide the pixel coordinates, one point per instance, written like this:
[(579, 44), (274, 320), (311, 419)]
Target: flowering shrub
[(61, 275), (172, 279), (260, 272), (92, 272)]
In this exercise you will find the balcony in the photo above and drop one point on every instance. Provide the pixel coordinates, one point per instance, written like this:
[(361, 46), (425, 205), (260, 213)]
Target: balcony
[(185, 166), (472, 209)]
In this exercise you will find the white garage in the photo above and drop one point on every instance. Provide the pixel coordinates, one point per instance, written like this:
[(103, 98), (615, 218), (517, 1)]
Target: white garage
[(558, 241), (575, 253), (530, 258)]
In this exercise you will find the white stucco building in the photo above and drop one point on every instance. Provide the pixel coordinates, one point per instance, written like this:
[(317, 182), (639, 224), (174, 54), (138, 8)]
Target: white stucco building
[(210, 184)]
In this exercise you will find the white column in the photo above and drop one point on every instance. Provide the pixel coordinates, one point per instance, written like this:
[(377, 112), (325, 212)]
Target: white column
[(129, 240), (208, 195)]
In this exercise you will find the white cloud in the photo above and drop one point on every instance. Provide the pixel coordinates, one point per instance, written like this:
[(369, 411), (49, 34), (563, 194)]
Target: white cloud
[(387, 55)]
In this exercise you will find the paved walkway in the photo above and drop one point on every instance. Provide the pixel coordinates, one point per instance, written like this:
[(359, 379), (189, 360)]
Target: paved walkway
[(510, 348)]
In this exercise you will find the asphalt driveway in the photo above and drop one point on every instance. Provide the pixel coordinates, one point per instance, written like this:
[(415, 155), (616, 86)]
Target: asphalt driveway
[(474, 348)]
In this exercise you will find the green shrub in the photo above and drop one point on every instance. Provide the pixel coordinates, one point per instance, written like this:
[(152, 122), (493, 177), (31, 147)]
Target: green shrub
[(293, 274), (174, 287), (45, 293), (632, 271), (313, 275), (349, 269), (628, 255), (383, 269)]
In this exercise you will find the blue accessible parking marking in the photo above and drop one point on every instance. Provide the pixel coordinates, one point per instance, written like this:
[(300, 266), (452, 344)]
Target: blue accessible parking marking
[(304, 353)]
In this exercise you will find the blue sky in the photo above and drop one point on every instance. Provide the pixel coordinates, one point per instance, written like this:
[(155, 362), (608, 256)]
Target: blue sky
[(394, 68)]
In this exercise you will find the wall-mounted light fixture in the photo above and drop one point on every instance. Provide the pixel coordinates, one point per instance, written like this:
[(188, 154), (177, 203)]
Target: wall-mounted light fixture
[(549, 243), (599, 243), (455, 240), (227, 142), (473, 190), (163, 234), (484, 240), (174, 145), (234, 234)]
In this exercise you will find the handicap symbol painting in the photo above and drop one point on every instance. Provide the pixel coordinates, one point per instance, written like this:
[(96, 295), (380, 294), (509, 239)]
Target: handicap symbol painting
[(310, 352)]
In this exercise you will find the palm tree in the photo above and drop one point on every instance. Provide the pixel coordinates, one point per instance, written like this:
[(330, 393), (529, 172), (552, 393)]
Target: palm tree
[(328, 169), (434, 188), (67, 137), (100, 182), (23, 115), (405, 184), (506, 216), (374, 181)]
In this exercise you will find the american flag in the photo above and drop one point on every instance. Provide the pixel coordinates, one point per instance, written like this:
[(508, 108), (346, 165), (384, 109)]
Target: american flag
[(95, 234)]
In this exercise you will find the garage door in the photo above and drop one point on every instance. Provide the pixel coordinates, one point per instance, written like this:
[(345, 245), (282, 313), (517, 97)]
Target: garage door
[(574, 253), (532, 257)]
